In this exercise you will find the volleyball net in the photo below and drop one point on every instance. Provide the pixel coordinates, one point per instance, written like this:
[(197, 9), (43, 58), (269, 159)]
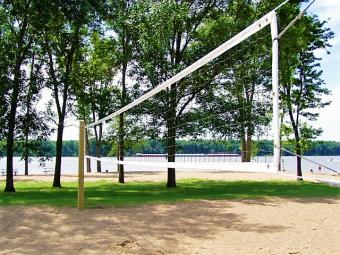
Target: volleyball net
[(204, 117)]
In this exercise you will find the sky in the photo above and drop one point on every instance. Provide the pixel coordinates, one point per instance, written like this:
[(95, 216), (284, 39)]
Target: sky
[(329, 119)]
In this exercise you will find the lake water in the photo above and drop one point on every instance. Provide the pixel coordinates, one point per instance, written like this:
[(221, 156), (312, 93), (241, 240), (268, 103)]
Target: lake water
[(70, 164)]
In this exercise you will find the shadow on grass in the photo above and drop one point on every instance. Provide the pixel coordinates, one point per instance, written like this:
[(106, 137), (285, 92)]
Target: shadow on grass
[(106, 194)]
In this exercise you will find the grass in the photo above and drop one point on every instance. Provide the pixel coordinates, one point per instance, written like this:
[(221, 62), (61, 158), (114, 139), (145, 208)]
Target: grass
[(105, 193)]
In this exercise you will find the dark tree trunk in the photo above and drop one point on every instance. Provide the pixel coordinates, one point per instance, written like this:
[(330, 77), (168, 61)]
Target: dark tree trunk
[(121, 148), (88, 165), (9, 173), (98, 155), (121, 131), (171, 178), (298, 160), (26, 131), (26, 164), (98, 135), (171, 136), (295, 125), (61, 108), (59, 152), (243, 145), (14, 103), (10, 135), (87, 148), (27, 117), (248, 147), (26, 154), (10, 142)]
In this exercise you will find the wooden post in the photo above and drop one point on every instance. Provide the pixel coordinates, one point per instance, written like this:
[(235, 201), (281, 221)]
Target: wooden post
[(81, 156)]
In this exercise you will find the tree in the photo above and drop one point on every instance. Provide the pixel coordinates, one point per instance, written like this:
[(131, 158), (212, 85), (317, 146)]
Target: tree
[(5, 78), (167, 30), (123, 25), (231, 106), (32, 127), (19, 28), (97, 94), (63, 35), (302, 85)]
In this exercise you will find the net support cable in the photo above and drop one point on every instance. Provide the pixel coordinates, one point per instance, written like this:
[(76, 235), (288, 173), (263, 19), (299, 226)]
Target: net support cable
[(292, 23), (312, 161)]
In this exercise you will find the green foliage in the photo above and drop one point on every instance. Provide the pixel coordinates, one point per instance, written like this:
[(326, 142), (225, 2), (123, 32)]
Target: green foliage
[(302, 86), (105, 193), (103, 54), (307, 135), (2, 147)]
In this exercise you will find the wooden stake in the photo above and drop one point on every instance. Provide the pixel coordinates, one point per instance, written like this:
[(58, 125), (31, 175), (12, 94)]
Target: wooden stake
[(81, 156)]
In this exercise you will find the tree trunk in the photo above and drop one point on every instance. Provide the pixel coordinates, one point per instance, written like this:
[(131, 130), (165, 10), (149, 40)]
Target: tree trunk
[(87, 148), (98, 155), (99, 136), (10, 135), (59, 151), (27, 117), (243, 145), (14, 103), (26, 164), (298, 160), (248, 147), (10, 147), (26, 154), (88, 165), (121, 148), (121, 134), (171, 136)]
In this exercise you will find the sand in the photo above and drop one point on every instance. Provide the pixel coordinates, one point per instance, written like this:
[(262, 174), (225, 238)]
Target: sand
[(262, 226)]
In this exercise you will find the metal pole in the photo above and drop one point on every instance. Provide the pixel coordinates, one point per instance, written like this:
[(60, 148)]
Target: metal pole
[(275, 88), (81, 156)]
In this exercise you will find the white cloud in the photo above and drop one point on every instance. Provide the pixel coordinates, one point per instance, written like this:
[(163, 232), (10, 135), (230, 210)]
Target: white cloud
[(327, 10), (329, 118)]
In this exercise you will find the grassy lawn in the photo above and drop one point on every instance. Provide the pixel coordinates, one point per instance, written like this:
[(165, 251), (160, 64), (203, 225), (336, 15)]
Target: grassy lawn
[(104, 193)]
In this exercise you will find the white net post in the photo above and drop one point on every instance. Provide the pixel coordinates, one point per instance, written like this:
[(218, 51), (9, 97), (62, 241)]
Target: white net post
[(275, 88)]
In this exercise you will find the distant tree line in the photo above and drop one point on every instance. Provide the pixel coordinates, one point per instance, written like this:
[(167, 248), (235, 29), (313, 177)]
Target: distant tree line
[(263, 147)]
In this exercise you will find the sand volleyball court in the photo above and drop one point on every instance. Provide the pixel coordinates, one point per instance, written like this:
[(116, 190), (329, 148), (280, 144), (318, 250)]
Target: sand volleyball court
[(244, 226)]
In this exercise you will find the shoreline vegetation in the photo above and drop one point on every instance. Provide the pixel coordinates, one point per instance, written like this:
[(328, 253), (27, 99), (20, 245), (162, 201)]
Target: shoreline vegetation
[(261, 148)]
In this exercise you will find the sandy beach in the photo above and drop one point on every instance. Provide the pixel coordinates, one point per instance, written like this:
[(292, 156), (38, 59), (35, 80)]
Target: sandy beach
[(261, 226)]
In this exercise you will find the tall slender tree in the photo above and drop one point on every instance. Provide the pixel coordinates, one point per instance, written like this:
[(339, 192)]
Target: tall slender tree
[(63, 39), (302, 85), (97, 91), (123, 25), (19, 28), (32, 127)]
